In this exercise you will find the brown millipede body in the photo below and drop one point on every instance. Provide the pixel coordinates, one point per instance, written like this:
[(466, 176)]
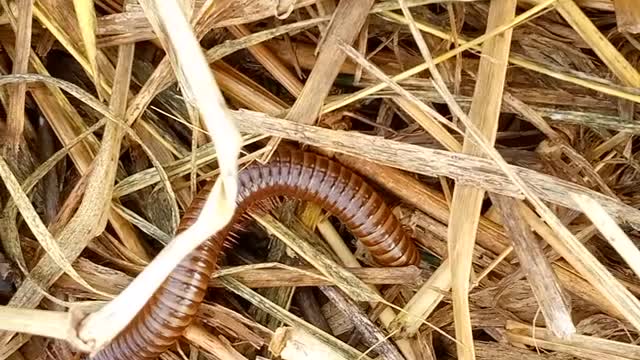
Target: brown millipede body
[(292, 173)]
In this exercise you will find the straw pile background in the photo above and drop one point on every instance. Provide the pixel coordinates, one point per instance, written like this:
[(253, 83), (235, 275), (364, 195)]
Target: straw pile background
[(501, 132)]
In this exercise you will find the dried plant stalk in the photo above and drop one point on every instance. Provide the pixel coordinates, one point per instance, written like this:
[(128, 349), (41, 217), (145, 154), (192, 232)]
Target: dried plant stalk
[(85, 10), (15, 118), (293, 343), (252, 276), (611, 231), (35, 322), (554, 303), (213, 345), (466, 202), (424, 301), (372, 336), (581, 346), (348, 19), (271, 63)]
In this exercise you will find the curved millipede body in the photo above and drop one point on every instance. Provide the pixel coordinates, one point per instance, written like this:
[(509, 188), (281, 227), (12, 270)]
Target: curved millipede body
[(296, 174)]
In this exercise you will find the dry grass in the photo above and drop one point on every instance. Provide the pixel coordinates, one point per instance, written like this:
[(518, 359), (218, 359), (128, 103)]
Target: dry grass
[(502, 133)]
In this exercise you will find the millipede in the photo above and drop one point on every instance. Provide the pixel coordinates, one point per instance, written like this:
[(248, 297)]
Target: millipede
[(292, 173)]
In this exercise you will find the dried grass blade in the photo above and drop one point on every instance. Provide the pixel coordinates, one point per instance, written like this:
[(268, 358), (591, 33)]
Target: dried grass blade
[(85, 11), (36, 225), (204, 155), (8, 229), (389, 5), (230, 46), (41, 13), (58, 111), (142, 224)]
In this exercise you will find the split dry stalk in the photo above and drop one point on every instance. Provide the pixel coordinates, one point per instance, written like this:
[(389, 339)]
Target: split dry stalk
[(291, 343), (554, 302), (264, 275), (372, 337), (347, 21), (16, 116), (212, 344), (611, 231), (466, 202), (275, 278)]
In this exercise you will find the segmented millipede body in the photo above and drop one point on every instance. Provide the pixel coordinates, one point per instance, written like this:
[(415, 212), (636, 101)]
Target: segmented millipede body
[(292, 173)]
